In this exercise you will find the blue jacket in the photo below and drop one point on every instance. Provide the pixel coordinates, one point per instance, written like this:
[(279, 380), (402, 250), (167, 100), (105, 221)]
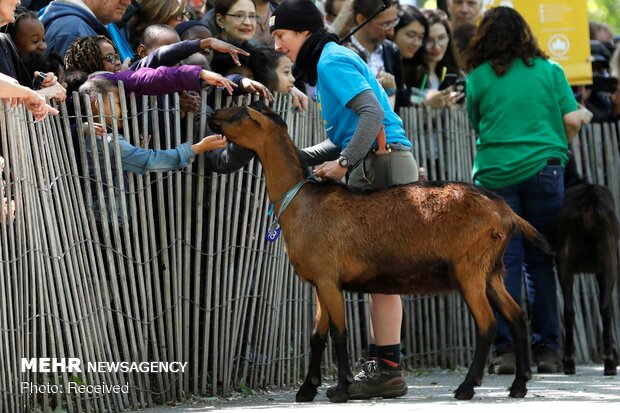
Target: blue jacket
[(65, 22), (133, 159)]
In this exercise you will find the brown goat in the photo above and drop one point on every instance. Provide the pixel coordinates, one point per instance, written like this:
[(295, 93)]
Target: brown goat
[(410, 239)]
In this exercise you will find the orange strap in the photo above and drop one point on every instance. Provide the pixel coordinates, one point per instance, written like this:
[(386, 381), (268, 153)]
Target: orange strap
[(382, 141)]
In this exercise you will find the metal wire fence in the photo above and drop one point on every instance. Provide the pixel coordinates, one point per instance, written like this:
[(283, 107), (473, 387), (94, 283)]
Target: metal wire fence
[(173, 267)]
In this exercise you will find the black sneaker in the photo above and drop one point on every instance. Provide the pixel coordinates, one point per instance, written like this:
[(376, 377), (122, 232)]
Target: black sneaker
[(378, 379), (547, 359), (503, 362)]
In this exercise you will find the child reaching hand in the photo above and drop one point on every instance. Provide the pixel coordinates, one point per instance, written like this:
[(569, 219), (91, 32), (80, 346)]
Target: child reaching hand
[(132, 158)]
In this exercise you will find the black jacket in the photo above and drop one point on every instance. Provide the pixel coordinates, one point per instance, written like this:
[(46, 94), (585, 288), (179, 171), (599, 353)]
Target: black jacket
[(8, 56)]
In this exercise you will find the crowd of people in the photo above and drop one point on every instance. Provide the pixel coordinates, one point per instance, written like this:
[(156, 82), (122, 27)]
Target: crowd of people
[(399, 56)]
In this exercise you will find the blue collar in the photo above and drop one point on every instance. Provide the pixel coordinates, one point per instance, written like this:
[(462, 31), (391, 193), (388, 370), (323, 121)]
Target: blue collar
[(286, 199)]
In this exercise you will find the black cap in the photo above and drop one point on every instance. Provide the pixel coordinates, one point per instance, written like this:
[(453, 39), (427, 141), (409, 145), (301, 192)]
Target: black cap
[(188, 24), (297, 15)]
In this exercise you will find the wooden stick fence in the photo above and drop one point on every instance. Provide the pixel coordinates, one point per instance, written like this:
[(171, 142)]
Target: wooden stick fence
[(174, 266)]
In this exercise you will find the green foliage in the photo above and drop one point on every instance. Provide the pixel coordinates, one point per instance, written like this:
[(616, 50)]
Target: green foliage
[(245, 389), (605, 11)]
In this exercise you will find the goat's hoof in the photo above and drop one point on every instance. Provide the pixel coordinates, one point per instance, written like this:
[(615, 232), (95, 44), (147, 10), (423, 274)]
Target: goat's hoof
[(610, 368), (336, 394), (517, 391), (306, 393), (464, 392), (569, 366)]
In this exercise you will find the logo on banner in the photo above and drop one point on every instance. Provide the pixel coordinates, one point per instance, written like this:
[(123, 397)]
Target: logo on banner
[(558, 45)]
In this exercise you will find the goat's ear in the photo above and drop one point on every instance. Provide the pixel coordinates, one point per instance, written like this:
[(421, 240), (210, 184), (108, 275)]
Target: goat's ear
[(258, 117)]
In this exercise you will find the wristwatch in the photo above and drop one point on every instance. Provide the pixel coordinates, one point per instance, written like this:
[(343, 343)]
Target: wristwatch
[(344, 162)]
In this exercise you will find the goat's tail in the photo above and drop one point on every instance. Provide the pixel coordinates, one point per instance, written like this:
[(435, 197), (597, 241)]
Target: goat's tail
[(531, 234)]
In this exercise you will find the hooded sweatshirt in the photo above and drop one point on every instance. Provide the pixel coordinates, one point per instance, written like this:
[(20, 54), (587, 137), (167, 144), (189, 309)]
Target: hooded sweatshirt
[(65, 21)]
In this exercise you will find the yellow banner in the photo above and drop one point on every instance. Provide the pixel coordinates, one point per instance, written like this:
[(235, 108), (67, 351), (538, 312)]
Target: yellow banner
[(561, 28)]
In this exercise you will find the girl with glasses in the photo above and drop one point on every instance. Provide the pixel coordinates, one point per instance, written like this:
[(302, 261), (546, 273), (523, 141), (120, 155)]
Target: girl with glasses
[(93, 54), (409, 35)]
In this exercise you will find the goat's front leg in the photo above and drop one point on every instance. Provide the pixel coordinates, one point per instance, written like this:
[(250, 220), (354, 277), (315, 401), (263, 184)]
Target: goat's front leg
[(332, 296), (307, 391)]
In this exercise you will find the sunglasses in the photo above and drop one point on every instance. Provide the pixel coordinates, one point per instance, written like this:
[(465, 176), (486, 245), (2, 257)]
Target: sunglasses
[(112, 58)]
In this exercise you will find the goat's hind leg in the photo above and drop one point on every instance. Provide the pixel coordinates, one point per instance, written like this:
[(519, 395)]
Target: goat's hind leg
[(606, 281), (475, 297), (307, 391), (566, 278), (504, 304)]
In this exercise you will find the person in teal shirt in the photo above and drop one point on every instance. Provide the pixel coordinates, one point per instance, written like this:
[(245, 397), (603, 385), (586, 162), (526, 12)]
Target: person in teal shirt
[(355, 110), (524, 112)]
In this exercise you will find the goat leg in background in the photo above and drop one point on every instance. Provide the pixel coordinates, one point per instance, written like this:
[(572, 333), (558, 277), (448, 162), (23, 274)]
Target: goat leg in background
[(565, 276), (307, 391), (606, 280)]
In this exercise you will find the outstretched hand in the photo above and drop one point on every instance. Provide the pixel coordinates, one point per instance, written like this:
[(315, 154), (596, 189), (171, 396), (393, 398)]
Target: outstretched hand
[(223, 47), (248, 85), (216, 79), (210, 143)]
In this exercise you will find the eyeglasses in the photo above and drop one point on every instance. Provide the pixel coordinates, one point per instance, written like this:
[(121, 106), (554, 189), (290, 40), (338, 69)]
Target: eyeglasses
[(240, 17), (389, 25), (414, 38), (181, 15), (112, 58), (441, 41)]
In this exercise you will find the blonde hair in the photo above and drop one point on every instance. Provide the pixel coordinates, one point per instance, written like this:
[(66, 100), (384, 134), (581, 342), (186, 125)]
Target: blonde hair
[(153, 12)]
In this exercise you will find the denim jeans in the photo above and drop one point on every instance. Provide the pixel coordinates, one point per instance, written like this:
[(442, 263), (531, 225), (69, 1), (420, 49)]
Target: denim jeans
[(537, 200)]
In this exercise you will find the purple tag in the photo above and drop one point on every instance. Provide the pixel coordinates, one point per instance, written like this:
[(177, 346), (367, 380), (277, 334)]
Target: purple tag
[(273, 233)]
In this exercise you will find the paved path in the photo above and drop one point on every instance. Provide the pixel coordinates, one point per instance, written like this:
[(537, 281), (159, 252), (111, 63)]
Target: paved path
[(586, 392)]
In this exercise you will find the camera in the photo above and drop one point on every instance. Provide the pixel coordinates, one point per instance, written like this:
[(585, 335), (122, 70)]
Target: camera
[(38, 80), (603, 83)]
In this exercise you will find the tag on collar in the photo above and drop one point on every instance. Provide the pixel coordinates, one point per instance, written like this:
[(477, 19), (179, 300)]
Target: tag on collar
[(273, 232)]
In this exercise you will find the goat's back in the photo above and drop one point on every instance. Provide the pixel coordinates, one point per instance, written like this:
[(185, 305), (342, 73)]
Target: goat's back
[(416, 228), (586, 228)]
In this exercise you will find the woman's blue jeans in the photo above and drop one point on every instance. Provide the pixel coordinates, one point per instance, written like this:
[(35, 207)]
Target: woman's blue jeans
[(537, 200)]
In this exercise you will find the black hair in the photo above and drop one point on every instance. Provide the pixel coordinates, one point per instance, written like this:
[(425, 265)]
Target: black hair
[(369, 7), (222, 62), (74, 79), (152, 32), (21, 13), (264, 63)]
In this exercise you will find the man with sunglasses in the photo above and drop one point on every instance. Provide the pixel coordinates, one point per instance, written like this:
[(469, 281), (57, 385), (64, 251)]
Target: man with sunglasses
[(372, 44), (66, 20)]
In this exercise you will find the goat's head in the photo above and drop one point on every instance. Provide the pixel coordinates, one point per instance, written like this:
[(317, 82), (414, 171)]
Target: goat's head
[(248, 126)]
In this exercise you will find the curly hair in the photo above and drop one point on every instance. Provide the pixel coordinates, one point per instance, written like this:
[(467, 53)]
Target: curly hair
[(502, 36), (85, 54)]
